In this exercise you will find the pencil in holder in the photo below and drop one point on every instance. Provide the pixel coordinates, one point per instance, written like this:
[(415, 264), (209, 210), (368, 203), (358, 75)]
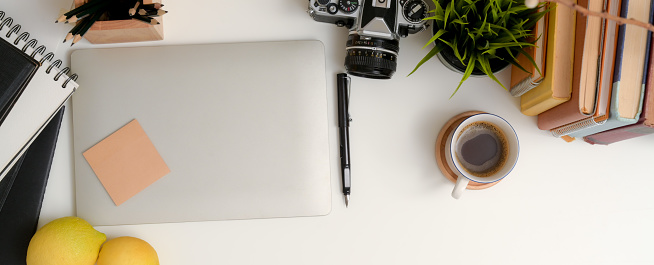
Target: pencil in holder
[(123, 30)]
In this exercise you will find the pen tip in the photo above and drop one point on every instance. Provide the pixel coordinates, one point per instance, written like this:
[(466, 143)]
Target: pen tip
[(347, 201)]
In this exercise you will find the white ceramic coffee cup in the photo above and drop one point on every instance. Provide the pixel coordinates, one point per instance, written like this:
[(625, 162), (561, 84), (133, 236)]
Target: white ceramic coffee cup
[(463, 177)]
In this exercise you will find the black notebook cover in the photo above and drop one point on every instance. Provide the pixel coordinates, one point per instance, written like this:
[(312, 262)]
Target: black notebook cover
[(16, 70), (19, 215), (8, 181)]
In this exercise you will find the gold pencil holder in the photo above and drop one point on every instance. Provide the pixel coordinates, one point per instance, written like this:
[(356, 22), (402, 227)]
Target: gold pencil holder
[(129, 30)]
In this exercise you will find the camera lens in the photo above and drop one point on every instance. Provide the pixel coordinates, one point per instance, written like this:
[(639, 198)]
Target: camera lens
[(371, 57)]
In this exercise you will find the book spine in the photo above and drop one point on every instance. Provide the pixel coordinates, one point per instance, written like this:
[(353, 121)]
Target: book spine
[(592, 141), (540, 104), (645, 70), (646, 65), (619, 134), (648, 103), (575, 127), (620, 44)]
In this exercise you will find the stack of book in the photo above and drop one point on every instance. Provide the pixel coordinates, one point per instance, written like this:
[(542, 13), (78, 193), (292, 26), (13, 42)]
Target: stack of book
[(598, 75)]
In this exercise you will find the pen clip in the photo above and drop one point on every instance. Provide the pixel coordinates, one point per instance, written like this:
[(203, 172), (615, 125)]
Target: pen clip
[(347, 106)]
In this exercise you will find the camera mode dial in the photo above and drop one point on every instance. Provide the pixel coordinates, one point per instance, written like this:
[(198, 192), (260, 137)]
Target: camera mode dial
[(348, 6), (414, 11)]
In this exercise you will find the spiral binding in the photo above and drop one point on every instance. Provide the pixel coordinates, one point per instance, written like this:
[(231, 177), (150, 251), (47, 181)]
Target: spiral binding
[(36, 52), (575, 127), (523, 87)]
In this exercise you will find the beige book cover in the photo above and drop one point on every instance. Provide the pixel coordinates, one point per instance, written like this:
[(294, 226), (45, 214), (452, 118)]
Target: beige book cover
[(557, 85)]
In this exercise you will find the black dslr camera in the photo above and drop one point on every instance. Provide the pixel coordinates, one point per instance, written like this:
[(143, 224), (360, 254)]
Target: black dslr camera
[(375, 30)]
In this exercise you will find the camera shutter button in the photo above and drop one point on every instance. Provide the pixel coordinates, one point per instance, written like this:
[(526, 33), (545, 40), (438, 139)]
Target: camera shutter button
[(332, 8)]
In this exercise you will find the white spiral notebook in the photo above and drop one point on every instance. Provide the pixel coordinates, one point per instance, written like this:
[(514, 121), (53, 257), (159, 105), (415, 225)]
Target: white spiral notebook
[(42, 94)]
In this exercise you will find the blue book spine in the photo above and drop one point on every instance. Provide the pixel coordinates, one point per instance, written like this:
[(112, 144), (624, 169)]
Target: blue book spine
[(644, 81), (619, 46)]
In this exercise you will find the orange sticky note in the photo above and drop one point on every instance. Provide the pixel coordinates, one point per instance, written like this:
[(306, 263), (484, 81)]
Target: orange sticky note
[(126, 162)]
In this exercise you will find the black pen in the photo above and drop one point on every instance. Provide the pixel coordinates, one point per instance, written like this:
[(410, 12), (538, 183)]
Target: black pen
[(342, 82)]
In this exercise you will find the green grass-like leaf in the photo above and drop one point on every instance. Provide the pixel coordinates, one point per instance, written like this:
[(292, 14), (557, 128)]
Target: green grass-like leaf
[(439, 33), (515, 63), (531, 59), (478, 31), (469, 67), (437, 48), (485, 67), (448, 10)]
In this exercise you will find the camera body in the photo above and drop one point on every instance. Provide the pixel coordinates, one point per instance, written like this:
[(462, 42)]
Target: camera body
[(376, 27)]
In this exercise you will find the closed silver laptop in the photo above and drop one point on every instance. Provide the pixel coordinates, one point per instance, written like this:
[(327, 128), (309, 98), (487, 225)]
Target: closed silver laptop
[(243, 128)]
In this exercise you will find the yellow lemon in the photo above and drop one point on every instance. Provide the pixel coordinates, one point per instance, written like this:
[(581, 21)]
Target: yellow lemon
[(65, 241), (127, 251)]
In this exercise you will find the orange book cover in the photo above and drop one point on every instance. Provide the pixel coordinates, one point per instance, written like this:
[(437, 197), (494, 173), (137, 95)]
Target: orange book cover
[(521, 81)]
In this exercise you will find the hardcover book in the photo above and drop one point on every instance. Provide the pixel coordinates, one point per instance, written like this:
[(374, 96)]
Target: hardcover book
[(632, 56), (521, 81), (645, 124), (557, 84), (591, 90)]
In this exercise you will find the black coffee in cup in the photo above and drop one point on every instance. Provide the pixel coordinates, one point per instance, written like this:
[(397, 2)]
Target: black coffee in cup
[(481, 148)]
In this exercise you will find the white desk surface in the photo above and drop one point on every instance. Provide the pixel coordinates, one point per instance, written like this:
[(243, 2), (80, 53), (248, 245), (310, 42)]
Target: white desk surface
[(565, 203)]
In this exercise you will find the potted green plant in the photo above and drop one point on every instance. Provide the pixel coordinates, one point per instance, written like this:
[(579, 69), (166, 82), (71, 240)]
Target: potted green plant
[(481, 37)]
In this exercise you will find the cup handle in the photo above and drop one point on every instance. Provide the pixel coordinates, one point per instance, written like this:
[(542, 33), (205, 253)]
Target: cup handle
[(460, 186)]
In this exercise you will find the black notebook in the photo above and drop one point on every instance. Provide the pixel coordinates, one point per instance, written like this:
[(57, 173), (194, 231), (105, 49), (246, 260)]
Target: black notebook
[(21, 194), (16, 70)]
